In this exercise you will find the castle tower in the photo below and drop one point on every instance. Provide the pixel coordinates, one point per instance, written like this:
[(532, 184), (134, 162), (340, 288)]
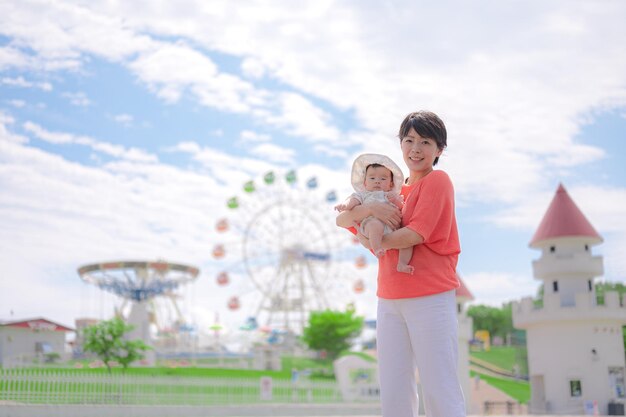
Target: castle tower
[(575, 345)]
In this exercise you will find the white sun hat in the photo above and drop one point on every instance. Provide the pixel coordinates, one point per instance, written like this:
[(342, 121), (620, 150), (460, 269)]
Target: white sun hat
[(363, 161)]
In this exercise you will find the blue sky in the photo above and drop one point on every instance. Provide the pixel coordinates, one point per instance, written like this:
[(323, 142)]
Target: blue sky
[(124, 128)]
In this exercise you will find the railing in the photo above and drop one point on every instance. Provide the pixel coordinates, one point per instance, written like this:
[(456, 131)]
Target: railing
[(36, 386), (502, 407), (482, 366)]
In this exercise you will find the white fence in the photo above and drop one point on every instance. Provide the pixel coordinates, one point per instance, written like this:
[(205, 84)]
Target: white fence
[(39, 386)]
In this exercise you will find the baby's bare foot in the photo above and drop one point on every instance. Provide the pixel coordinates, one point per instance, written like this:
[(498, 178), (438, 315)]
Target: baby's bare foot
[(406, 268), (379, 252)]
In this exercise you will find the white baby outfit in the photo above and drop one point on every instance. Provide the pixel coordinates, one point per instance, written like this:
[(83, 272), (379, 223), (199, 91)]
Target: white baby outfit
[(372, 196)]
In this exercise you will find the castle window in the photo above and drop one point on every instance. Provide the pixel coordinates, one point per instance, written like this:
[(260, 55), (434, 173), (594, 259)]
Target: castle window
[(616, 381), (590, 285), (555, 286), (587, 248), (459, 308), (575, 388), (552, 249)]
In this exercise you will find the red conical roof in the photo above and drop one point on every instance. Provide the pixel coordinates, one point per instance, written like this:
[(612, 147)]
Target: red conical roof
[(564, 218)]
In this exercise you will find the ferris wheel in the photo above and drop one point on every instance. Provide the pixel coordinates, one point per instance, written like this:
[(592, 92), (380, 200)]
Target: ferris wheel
[(280, 242)]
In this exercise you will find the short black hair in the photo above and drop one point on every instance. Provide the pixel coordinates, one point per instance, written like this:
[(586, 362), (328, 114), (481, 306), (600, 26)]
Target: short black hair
[(377, 165), (428, 125)]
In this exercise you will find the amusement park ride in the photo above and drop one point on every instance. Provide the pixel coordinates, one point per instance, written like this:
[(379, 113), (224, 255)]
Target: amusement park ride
[(280, 256), (284, 247), (143, 284)]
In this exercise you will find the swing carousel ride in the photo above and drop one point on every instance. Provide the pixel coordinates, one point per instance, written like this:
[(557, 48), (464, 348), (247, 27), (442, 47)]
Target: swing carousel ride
[(149, 298)]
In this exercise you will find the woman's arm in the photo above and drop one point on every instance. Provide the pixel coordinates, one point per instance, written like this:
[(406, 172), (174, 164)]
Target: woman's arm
[(386, 213), (402, 238)]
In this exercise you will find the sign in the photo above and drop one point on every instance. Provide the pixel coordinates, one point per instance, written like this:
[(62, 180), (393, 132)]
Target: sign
[(265, 389), (591, 408)]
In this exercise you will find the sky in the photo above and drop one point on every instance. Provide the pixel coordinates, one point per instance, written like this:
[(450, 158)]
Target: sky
[(125, 127)]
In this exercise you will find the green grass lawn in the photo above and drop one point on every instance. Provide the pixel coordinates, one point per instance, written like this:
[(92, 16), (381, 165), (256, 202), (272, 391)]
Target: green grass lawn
[(189, 385), (519, 390), (504, 357)]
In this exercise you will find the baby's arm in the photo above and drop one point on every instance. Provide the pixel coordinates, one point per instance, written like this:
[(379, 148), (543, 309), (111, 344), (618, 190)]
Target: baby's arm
[(349, 204)]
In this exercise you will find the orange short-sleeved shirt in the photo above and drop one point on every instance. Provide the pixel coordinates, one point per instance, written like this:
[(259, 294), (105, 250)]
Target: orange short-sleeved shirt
[(429, 211)]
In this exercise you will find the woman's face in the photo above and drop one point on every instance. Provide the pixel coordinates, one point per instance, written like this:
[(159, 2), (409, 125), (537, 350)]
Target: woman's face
[(419, 153)]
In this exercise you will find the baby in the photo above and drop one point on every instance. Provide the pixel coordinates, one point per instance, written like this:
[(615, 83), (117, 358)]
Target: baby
[(377, 178)]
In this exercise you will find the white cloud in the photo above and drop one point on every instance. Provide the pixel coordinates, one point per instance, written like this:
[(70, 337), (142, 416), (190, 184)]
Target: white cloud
[(188, 147), (248, 136), (5, 133), (124, 119), (22, 82), (494, 288), (70, 32), (79, 98), (604, 207), (117, 151), (273, 153), (17, 103), (331, 151), (577, 155), (12, 57), (173, 69), (232, 171), (170, 69), (510, 86), (300, 117), (252, 68), (64, 30)]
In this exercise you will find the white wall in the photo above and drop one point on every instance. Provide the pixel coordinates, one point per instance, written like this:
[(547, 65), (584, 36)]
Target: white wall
[(562, 351), (17, 342)]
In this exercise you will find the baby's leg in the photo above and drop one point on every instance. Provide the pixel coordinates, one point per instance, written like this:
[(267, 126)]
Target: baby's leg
[(374, 229), (404, 257)]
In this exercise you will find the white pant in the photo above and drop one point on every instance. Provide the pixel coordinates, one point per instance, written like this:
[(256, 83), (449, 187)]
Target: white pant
[(419, 332)]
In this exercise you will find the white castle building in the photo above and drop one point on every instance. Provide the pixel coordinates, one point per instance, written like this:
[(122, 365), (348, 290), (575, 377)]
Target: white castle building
[(575, 346)]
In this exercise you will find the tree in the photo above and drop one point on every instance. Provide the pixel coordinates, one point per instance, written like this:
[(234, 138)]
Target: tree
[(106, 340), (603, 287), (332, 331), (498, 321)]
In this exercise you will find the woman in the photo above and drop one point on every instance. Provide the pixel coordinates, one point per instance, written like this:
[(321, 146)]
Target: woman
[(416, 318)]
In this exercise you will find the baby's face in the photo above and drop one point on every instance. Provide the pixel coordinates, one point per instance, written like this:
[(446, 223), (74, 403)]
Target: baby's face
[(378, 179)]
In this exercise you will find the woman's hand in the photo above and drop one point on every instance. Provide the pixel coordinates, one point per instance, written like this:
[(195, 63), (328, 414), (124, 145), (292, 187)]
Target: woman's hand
[(386, 213)]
